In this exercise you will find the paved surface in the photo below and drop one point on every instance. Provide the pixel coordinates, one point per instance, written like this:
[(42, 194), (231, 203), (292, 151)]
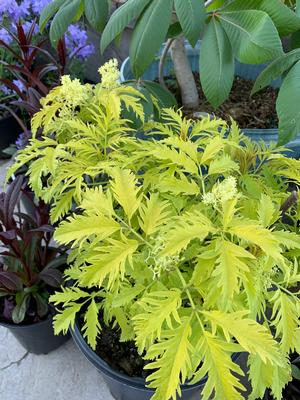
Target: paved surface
[(64, 374)]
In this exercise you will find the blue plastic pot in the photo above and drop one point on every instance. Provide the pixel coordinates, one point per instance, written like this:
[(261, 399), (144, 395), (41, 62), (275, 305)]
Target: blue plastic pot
[(245, 71)]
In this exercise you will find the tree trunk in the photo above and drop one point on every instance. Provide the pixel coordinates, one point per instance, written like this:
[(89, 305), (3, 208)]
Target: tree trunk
[(184, 75)]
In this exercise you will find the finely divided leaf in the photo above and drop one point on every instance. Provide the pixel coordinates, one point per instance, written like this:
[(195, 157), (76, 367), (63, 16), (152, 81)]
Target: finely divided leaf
[(92, 326), (153, 214)]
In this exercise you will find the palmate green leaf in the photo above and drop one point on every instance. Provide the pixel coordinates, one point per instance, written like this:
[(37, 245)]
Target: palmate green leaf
[(125, 190), (96, 12), (65, 319), (251, 335), (153, 214), (286, 321), (108, 261), (216, 64), (91, 327), (275, 70), (287, 106), (191, 15), (284, 18), (265, 375), (147, 39), (253, 35), (231, 267), (219, 368), (250, 231), (78, 228), (159, 308), (120, 19), (172, 361), (191, 225)]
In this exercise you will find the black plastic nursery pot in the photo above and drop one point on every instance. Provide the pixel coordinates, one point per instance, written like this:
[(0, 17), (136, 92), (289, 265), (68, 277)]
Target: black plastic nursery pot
[(9, 132), (37, 338), (124, 387)]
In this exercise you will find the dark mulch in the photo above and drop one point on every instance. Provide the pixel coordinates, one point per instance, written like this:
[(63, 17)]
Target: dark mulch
[(258, 111)]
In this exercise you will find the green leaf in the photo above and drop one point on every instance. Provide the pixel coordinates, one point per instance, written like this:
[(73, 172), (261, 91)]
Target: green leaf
[(96, 12), (153, 214), (222, 165), (275, 70), (191, 15), (126, 295), (216, 64), (172, 361), (158, 308), (63, 19), (288, 106), (164, 97), (125, 190), (92, 326), (20, 309), (120, 19), (65, 319), (68, 295), (80, 227), (253, 36), (285, 20), (147, 38), (62, 206), (49, 11), (266, 211)]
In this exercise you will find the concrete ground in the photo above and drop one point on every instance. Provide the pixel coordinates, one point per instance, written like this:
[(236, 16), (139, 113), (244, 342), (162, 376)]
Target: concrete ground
[(64, 374)]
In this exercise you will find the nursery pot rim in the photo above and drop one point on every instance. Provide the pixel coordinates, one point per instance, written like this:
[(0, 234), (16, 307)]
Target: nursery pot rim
[(105, 368)]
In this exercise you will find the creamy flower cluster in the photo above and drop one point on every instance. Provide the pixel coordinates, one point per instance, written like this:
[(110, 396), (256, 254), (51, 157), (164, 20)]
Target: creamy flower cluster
[(221, 192), (72, 91), (110, 74)]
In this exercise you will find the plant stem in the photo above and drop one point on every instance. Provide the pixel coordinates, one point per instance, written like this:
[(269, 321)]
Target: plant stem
[(162, 63)]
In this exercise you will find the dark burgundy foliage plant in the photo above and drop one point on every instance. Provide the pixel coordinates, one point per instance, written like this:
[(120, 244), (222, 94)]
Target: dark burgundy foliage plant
[(29, 267)]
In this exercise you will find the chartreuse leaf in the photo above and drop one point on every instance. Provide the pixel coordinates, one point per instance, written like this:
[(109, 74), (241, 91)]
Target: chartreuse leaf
[(80, 227), (120, 19), (96, 12), (214, 146), (172, 361), (91, 327), (126, 295), (65, 319), (251, 335), (125, 190), (287, 106), (222, 165), (108, 261), (219, 367), (191, 15), (62, 206), (285, 20), (63, 18), (153, 213), (187, 227), (253, 35), (286, 321), (290, 240), (266, 211), (250, 231), (147, 39), (159, 308), (230, 269), (180, 185), (68, 295), (275, 70), (216, 64), (97, 201)]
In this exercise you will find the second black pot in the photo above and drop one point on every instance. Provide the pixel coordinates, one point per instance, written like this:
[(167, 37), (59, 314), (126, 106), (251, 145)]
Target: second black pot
[(9, 132), (37, 338), (124, 387)]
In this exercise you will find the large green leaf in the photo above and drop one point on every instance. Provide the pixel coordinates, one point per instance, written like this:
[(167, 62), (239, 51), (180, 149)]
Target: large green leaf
[(288, 108), (49, 11), (253, 36), (275, 70), (164, 97), (191, 15), (285, 20), (216, 64), (65, 16), (120, 19), (96, 12), (149, 34)]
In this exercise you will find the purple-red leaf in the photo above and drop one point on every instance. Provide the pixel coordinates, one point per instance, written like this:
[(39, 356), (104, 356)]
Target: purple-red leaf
[(10, 281)]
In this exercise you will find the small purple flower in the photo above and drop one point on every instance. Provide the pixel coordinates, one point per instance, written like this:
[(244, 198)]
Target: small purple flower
[(22, 140), (15, 10), (38, 5), (5, 90), (5, 36), (19, 84), (76, 42)]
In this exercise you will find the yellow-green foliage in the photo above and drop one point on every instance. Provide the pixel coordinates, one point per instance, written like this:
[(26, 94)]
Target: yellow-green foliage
[(186, 252), (180, 242)]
